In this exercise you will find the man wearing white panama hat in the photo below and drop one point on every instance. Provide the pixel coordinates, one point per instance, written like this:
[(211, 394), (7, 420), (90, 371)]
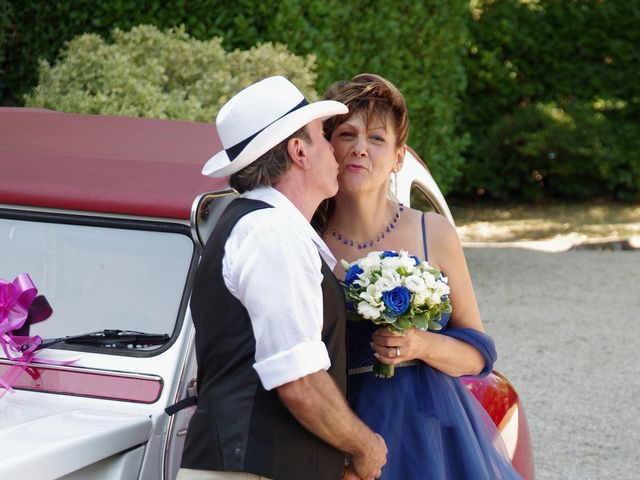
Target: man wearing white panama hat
[(268, 312)]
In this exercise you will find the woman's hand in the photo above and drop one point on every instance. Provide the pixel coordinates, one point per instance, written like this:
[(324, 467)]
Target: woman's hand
[(392, 348)]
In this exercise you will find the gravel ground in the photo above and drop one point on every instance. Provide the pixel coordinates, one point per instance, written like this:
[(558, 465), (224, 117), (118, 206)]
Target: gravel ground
[(567, 330)]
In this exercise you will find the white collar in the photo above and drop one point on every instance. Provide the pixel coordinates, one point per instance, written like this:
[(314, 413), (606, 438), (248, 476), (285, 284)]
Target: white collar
[(274, 198)]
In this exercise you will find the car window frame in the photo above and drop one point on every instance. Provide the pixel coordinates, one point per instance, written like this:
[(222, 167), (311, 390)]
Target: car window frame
[(125, 223)]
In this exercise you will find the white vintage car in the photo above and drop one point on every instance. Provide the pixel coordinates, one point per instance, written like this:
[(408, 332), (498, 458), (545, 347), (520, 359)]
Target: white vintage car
[(108, 216)]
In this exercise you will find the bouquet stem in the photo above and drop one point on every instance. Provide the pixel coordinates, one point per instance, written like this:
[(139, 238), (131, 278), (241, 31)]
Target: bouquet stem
[(381, 370)]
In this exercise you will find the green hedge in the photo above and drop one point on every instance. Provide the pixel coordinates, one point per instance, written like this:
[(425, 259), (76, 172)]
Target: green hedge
[(417, 45), (553, 100), (39, 30), (149, 73), (5, 22)]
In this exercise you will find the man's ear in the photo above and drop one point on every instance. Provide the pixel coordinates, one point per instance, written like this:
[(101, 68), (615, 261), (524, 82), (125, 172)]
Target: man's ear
[(298, 152)]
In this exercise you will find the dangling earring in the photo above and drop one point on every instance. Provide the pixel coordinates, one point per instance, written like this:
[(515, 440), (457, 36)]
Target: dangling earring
[(395, 185)]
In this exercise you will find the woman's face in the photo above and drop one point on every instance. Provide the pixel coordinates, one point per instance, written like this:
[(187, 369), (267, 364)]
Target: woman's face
[(365, 154)]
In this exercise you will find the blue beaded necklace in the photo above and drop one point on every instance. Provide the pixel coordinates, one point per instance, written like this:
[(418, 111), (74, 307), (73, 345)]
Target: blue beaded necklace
[(369, 243)]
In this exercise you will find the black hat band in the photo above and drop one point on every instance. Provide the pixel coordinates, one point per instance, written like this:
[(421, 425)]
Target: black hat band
[(235, 150)]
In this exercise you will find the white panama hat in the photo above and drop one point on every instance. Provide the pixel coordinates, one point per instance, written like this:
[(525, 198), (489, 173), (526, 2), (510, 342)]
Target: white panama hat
[(259, 117)]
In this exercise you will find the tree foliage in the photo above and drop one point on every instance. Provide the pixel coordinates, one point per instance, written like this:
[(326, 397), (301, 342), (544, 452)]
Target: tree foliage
[(149, 73), (553, 100), (5, 22)]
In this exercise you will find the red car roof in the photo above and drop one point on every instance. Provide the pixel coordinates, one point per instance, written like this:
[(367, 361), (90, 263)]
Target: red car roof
[(100, 163)]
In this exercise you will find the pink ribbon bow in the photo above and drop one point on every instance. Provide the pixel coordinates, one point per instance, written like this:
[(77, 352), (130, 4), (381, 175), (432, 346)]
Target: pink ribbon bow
[(20, 307)]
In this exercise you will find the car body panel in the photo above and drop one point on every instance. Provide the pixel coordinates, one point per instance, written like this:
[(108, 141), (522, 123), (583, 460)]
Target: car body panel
[(36, 435), (502, 403), (81, 162)]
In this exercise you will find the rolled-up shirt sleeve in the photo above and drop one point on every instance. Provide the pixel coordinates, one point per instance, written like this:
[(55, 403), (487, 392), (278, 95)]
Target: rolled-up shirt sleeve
[(275, 272)]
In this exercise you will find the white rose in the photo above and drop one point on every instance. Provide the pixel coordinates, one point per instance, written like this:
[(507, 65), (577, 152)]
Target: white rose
[(368, 311), (390, 262), (368, 266), (389, 280), (442, 289), (420, 298), (429, 280), (362, 282), (392, 274), (415, 283), (370, 262), (434, 299), (385, 284), (372, 294), (407, 262)]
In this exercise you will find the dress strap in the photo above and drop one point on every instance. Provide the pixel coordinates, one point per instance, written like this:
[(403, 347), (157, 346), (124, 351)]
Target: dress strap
[(424, 238)]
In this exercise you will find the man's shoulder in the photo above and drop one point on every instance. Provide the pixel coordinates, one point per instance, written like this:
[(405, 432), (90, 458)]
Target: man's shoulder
[(267, 225), (267, 217)]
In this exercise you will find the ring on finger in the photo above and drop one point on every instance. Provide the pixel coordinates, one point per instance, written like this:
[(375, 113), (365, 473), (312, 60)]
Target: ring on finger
[(397, 352)]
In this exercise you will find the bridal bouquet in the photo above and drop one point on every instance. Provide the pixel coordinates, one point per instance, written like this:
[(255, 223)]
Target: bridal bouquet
[(396, 290)]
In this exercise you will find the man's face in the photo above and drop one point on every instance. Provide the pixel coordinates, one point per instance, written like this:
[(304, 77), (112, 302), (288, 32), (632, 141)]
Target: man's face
[(323, 164)]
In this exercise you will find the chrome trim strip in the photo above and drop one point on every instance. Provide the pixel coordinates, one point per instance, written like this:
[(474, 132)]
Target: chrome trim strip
[(193, 218), (195, 209), (94, 371), (182, 385), (105, 215)]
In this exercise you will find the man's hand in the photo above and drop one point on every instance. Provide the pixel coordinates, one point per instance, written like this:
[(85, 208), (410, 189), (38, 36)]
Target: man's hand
[(350, 474), (369, 465), (321, 408)]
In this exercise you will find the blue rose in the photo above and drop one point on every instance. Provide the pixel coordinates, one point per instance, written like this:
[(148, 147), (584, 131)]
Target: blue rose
[(352, 274), (415, 259), (397, 301), (389, 253)]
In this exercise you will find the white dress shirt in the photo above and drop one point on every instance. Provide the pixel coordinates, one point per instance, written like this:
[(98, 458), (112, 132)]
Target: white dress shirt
[(271, 264)]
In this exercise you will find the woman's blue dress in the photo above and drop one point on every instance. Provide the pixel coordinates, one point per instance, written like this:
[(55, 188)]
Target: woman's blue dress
[(434, 427)]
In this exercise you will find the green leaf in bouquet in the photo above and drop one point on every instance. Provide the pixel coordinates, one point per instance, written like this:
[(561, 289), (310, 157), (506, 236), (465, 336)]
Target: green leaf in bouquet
[(403, 271), (394, 328), (421, 322), (381, 370), (403, 323), (353, 296), (434, 325), (420, 311), (380, 321), (389, 319)]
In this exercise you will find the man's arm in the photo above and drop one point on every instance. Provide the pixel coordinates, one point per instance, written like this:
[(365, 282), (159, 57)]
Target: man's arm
[(320, 407)]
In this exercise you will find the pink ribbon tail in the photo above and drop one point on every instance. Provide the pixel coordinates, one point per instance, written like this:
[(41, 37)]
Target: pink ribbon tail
[(20, 307)]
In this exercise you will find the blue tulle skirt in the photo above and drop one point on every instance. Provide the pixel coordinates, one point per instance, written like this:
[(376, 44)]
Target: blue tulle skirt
[(434, 427)]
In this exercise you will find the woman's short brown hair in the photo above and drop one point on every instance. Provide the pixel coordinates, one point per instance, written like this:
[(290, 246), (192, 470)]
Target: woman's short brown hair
[(373, 97)]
